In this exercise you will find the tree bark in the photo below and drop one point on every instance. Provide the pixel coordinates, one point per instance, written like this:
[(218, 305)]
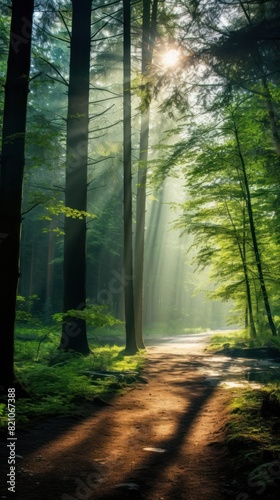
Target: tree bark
[(11, 177), (242, 252), (254, 237), (272, 116), (252, 327), (149, 26), (74, 334), (131, 344)]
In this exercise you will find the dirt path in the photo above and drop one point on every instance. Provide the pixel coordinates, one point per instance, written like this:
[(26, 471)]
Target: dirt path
[(161, 440)]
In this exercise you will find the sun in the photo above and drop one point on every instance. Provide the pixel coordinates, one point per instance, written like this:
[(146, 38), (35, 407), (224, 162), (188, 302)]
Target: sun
[(170, 58)]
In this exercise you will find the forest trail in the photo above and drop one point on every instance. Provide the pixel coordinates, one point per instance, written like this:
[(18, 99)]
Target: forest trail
[(162, 440)]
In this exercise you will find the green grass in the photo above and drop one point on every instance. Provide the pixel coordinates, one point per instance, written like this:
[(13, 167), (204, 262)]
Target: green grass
[(231, 338), (59, 381), (253, 430), (253, 438), (241, 339), (252, 433)]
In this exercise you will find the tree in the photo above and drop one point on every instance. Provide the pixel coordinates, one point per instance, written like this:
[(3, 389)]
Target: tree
[(131, 344), (11, 180), (74, 329), (148, 40), (230, 206), (248, 198)]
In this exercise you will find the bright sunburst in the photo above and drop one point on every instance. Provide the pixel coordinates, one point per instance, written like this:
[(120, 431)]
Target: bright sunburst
[(170, 58)]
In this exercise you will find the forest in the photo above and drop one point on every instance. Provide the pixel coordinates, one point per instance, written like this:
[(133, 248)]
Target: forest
[(140, 227)]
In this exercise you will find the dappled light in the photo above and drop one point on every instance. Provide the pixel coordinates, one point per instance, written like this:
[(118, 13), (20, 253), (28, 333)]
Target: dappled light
[(125, 446)]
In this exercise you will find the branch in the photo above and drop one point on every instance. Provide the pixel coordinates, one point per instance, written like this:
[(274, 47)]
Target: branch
[(107, 37), (36, 76), (58, 188), (99, 136), (96, 187), (98, 31), (29, 210), (112, 16), (104, 128), (104, 90), (106, 99), (56, 80), (102, 113), (50, 34), (95, 162), (107, 5), (65, 24), (55, 69)]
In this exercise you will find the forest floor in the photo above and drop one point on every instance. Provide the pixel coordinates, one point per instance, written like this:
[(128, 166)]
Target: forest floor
[(164, 439)]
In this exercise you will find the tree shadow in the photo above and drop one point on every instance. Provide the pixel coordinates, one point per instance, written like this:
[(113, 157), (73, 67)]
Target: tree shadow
[(86, 444)]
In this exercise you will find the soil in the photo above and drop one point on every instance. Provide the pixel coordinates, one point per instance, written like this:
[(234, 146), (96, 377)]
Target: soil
[(164, 439)]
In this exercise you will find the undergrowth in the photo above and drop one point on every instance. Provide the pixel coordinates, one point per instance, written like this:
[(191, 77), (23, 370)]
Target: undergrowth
[(59, 381), (253, 430), (241, 338), (253, 438)]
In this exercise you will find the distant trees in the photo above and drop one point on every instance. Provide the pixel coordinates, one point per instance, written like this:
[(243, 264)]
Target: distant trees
[(11, 176), (229, 209), (230, 154)]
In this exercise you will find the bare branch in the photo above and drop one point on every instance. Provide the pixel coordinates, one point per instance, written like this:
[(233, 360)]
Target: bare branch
[(102, 113), (29, 210), (64, 22), (55, 69)]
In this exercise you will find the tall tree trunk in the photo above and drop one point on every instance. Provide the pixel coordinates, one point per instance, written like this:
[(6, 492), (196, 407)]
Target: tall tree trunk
[(254, 237), (271, 115), (131, 344), (32, 266), (148, 29), (74, 334), (11, 177), (242, 252), (50, 266)]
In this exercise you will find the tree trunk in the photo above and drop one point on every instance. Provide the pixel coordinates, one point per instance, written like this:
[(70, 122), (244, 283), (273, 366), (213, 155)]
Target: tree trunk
[(131, 344), (272, 116), (50, 266), (11, 180), (147, 53), (243, 255), (242, 252), (254, 238), (74, 334)]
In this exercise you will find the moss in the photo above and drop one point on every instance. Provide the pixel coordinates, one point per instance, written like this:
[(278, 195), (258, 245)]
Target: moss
[(59, 381), (251, 437)]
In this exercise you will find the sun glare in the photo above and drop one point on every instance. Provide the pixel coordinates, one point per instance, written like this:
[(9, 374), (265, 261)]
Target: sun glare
[(171, 58)]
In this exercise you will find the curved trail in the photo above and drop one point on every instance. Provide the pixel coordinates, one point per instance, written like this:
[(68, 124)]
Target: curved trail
[(162, 440)]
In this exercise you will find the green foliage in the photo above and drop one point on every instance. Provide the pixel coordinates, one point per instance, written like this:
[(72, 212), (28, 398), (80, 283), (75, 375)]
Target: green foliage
[(60, 382), (55, 208), (94, 315), (250, 432), (226, 169), (231, 338), (25, 309)]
